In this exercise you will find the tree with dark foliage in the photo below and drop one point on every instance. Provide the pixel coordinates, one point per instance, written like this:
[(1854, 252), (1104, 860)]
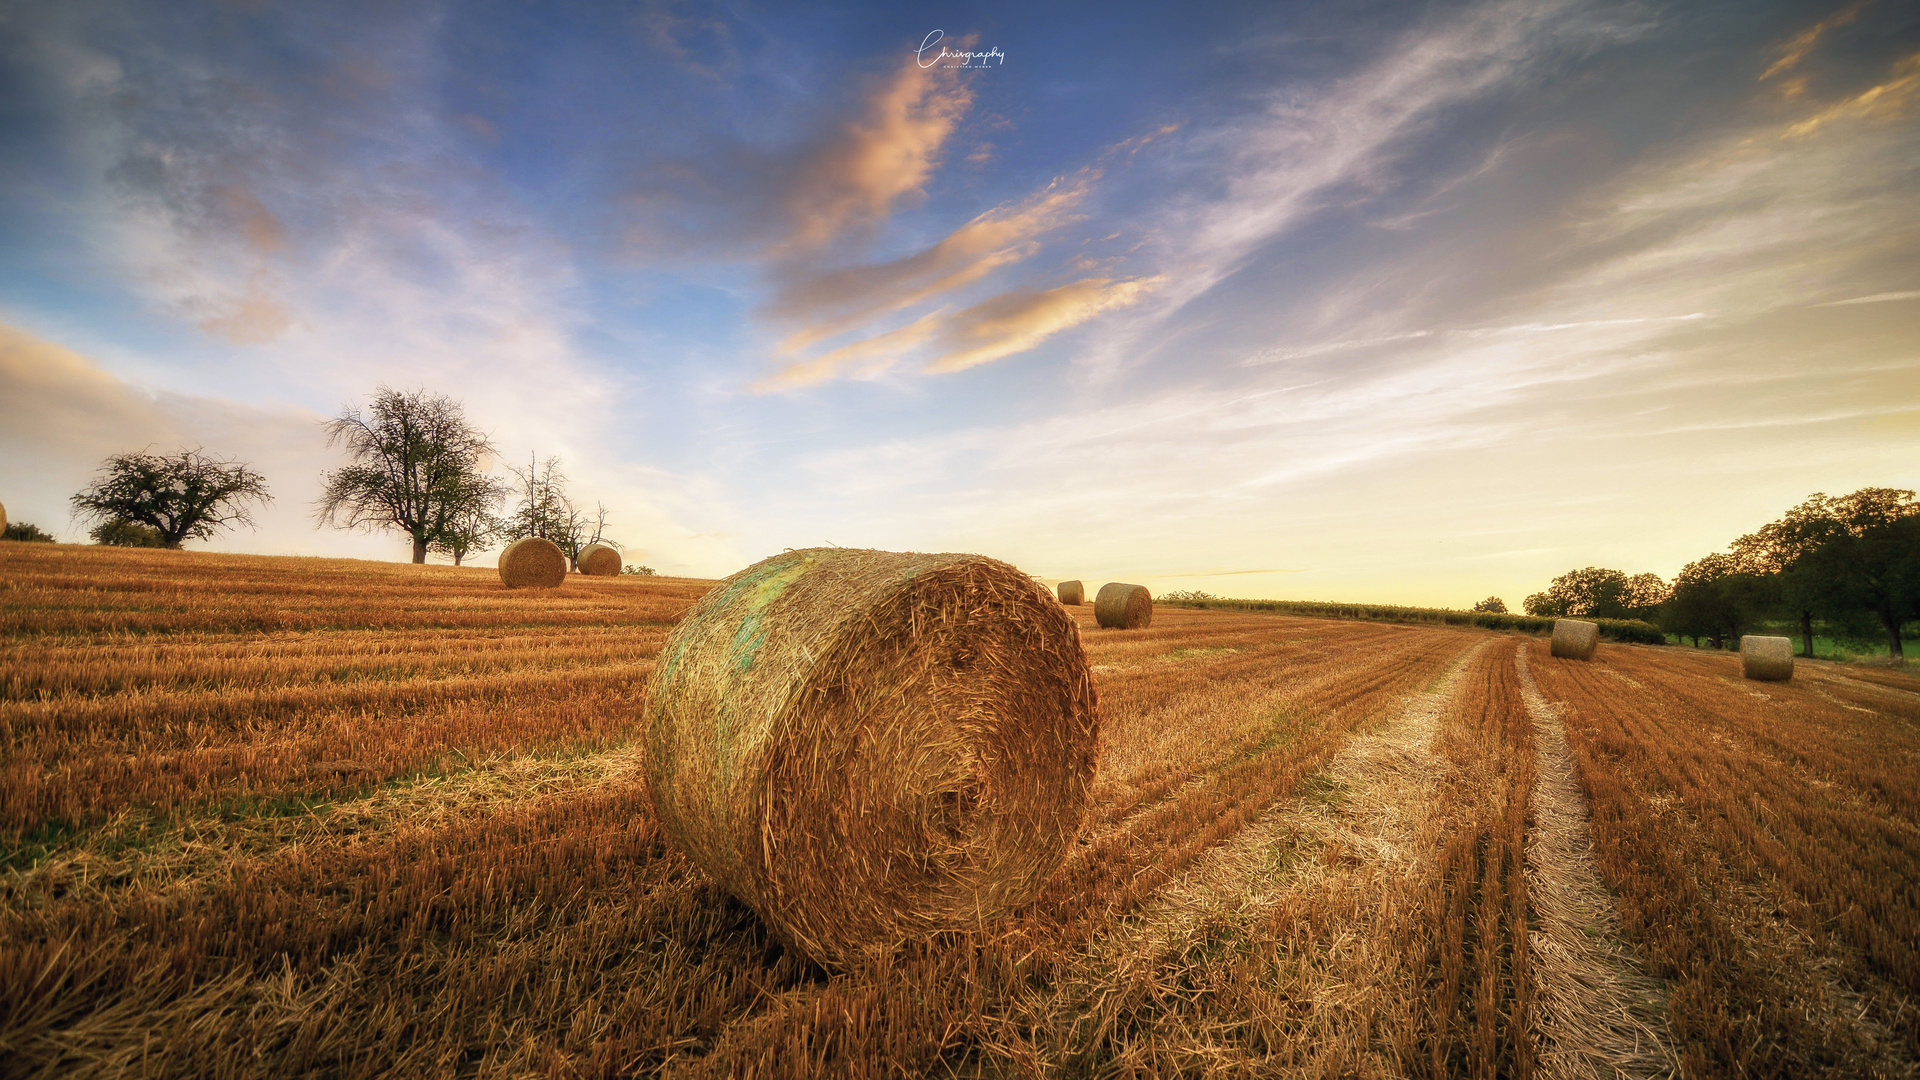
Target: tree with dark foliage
[(418, 465), (183, 496)]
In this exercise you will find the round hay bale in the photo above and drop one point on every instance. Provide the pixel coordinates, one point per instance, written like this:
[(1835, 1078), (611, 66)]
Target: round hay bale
[(600, 560), (533, 562), (1072, 592), (867, 746), (1123, 607), (3, 517), (1768, 659), (1575, 638)]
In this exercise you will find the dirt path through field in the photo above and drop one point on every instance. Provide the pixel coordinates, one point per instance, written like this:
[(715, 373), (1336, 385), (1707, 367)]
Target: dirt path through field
[(1600, 1014)]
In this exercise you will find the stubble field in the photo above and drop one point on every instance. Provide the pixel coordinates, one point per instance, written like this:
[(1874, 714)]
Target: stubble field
[(271, 816)]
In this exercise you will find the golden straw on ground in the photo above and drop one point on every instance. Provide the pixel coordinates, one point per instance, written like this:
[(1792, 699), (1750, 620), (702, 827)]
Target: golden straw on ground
[(868, 747), (533, 562), (1575, 638), (1123, 607), (1072, 592), (1768, 659), (599, 560)]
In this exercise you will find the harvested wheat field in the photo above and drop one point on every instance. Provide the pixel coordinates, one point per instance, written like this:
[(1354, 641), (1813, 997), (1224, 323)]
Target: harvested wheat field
[(273, 816)]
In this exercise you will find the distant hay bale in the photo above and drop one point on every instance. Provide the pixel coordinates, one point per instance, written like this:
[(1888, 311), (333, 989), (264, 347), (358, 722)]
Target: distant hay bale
[(533, 562), (1072, 592), (1575, 638), (1123, 607), (3, 517), (600, 560), (1768, 659), (868, 747)]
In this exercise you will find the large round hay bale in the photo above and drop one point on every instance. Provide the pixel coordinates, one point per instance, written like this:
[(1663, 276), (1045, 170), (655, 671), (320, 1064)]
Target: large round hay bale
[(533, 562), (1769, 659), (1575, 638), (1072, 592), (1123, 607), (600, 560), (3, 517), (868, 747)]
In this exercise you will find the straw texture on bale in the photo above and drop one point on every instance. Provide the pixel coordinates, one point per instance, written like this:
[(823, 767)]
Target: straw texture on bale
[(600, 560), (1769, 659), (533, 562), (1119, 606), (1575, 638), (1072, 592), (867, 747)]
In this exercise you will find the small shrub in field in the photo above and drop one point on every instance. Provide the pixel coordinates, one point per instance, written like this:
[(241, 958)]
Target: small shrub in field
[(123, 533), (1493, 605), (642, 571), (20, 530)]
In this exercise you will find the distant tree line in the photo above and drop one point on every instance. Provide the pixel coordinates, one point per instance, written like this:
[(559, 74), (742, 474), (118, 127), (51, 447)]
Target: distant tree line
[(1849, 565), (417, 466)]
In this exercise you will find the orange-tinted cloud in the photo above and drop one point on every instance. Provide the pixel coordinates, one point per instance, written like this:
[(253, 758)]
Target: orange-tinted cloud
[(886, 153), (1887, 101), (1018, 321), (1798, 46), (1010, 323), (834, 301)]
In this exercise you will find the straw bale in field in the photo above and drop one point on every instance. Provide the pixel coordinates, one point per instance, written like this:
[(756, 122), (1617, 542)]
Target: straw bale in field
[(3, 517), (1124, 607), (1072, 592), (868, 747), (1575, 638), (1769, 659), (533, 562), (600, 560)]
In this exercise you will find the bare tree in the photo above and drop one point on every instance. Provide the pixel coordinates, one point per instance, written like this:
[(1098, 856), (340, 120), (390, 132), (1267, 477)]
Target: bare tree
[(183, 496), (418, 467), (547, 511)]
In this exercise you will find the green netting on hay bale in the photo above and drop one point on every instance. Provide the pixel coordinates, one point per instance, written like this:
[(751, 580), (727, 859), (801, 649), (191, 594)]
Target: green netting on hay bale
[(867, 746)]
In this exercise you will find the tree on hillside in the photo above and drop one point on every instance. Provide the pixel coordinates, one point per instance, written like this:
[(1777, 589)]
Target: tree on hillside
[(1871, 561), (1493, 604), (1644, 595), (547, 511), (1594, 592), (1716, 598), (22, 531), (183, 496), (418, 467), (1841, 558), (472, 527), (123, 533)]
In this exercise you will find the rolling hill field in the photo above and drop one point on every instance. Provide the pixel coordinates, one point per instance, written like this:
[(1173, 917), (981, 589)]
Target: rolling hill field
[(278, 816)]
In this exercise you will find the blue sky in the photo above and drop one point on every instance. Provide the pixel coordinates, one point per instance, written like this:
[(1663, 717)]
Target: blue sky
[(1372, 301)]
